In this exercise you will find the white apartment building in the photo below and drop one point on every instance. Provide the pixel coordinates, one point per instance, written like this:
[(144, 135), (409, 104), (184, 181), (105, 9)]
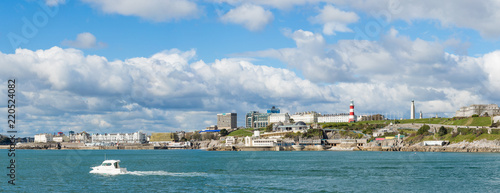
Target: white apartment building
[(136, 137), (82, 137), (230, 141), (481, 110), (278, 117), (60, 139), (306, 117), (333, 118), (43, 138)]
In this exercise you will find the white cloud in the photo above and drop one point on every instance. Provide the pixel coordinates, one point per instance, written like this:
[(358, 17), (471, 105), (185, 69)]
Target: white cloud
[(478, 15), (84, 40), (252, 17), (385, 75), (63, 89), (155, 10), (279, 4), (334, 20)]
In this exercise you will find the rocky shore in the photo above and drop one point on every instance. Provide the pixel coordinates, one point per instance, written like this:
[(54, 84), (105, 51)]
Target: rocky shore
[(464, 146), (492, 146)]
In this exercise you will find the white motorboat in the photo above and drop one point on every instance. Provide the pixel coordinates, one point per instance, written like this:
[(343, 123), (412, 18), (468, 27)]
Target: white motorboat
[(111, 167)]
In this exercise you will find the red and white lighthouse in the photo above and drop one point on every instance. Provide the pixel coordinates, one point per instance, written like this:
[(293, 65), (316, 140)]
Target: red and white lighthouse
[(351, 112)]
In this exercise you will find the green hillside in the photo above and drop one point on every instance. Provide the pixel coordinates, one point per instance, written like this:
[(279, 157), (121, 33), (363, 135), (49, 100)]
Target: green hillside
[(471, 121)]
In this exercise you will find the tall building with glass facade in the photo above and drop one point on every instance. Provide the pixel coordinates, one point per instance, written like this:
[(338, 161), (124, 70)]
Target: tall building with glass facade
[(255, 119)]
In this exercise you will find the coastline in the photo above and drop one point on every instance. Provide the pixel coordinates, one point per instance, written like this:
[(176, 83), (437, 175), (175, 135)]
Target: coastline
[(481, 146)]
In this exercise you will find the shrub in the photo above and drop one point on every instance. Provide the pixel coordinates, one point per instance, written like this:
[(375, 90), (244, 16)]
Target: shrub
[(479, 132), (269, 127), (423, 130), (466, 131), (475, 115), (454, 135), (442, 131), (223, 132)]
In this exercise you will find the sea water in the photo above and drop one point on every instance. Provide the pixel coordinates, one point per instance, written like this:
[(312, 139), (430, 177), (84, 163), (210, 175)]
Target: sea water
[(296, 171)]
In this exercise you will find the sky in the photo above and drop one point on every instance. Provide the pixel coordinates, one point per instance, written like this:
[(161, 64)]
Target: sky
[(109, 66)]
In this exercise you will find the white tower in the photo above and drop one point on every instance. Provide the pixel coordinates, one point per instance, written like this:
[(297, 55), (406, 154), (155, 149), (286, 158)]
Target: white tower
[(412, 116), (351, 112), (421, 117)]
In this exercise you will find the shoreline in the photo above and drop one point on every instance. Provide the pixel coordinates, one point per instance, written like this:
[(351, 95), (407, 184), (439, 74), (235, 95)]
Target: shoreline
[(276, 148)]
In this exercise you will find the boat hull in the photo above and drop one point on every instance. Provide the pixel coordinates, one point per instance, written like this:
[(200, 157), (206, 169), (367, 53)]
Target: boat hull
[(108, 171)]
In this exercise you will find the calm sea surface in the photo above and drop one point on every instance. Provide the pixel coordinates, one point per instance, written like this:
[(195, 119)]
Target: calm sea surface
[(202, 171)]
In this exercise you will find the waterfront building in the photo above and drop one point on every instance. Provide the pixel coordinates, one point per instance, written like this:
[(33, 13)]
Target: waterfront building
[(256, 133), (347, 142), (230, 141), (255, 119), (478, 109), (333, 118), (303, 141), (371, 117), (412, 110), (297, 127), (60, 139), (256, 142), (435, 143), (306, 117), (279, 117), (82, 137), (43, 138), (137, 137), (211, 127), (227, 120)]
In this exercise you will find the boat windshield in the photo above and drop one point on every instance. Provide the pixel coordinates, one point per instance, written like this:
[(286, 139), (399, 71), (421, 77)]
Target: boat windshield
[(106, 164)]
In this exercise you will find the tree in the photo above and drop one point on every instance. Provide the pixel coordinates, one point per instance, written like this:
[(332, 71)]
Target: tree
[(196, 136), (369, 130), (176, 137), (442, 131), (423, 130), (269, 127), (223, 132)]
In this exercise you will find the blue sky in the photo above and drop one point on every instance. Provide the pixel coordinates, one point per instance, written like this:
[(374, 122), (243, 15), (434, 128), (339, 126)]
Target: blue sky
[(159, 66)]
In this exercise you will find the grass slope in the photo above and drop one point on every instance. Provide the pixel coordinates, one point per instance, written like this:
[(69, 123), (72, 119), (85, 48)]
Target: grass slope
[(244, 132), (471, 121)]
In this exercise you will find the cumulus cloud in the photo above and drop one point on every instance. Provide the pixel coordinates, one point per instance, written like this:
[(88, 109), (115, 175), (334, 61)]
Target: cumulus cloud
[(384, 75), (154, 10), (84, 40), (279, 4), (252, 17), (478, 15), (481, 16), (63, 89), (334, 20)]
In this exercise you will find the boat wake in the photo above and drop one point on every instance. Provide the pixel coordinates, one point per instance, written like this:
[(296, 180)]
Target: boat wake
[(165, 173)]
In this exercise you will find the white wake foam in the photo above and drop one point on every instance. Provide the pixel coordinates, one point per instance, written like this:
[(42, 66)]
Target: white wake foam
[(164, 173)]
